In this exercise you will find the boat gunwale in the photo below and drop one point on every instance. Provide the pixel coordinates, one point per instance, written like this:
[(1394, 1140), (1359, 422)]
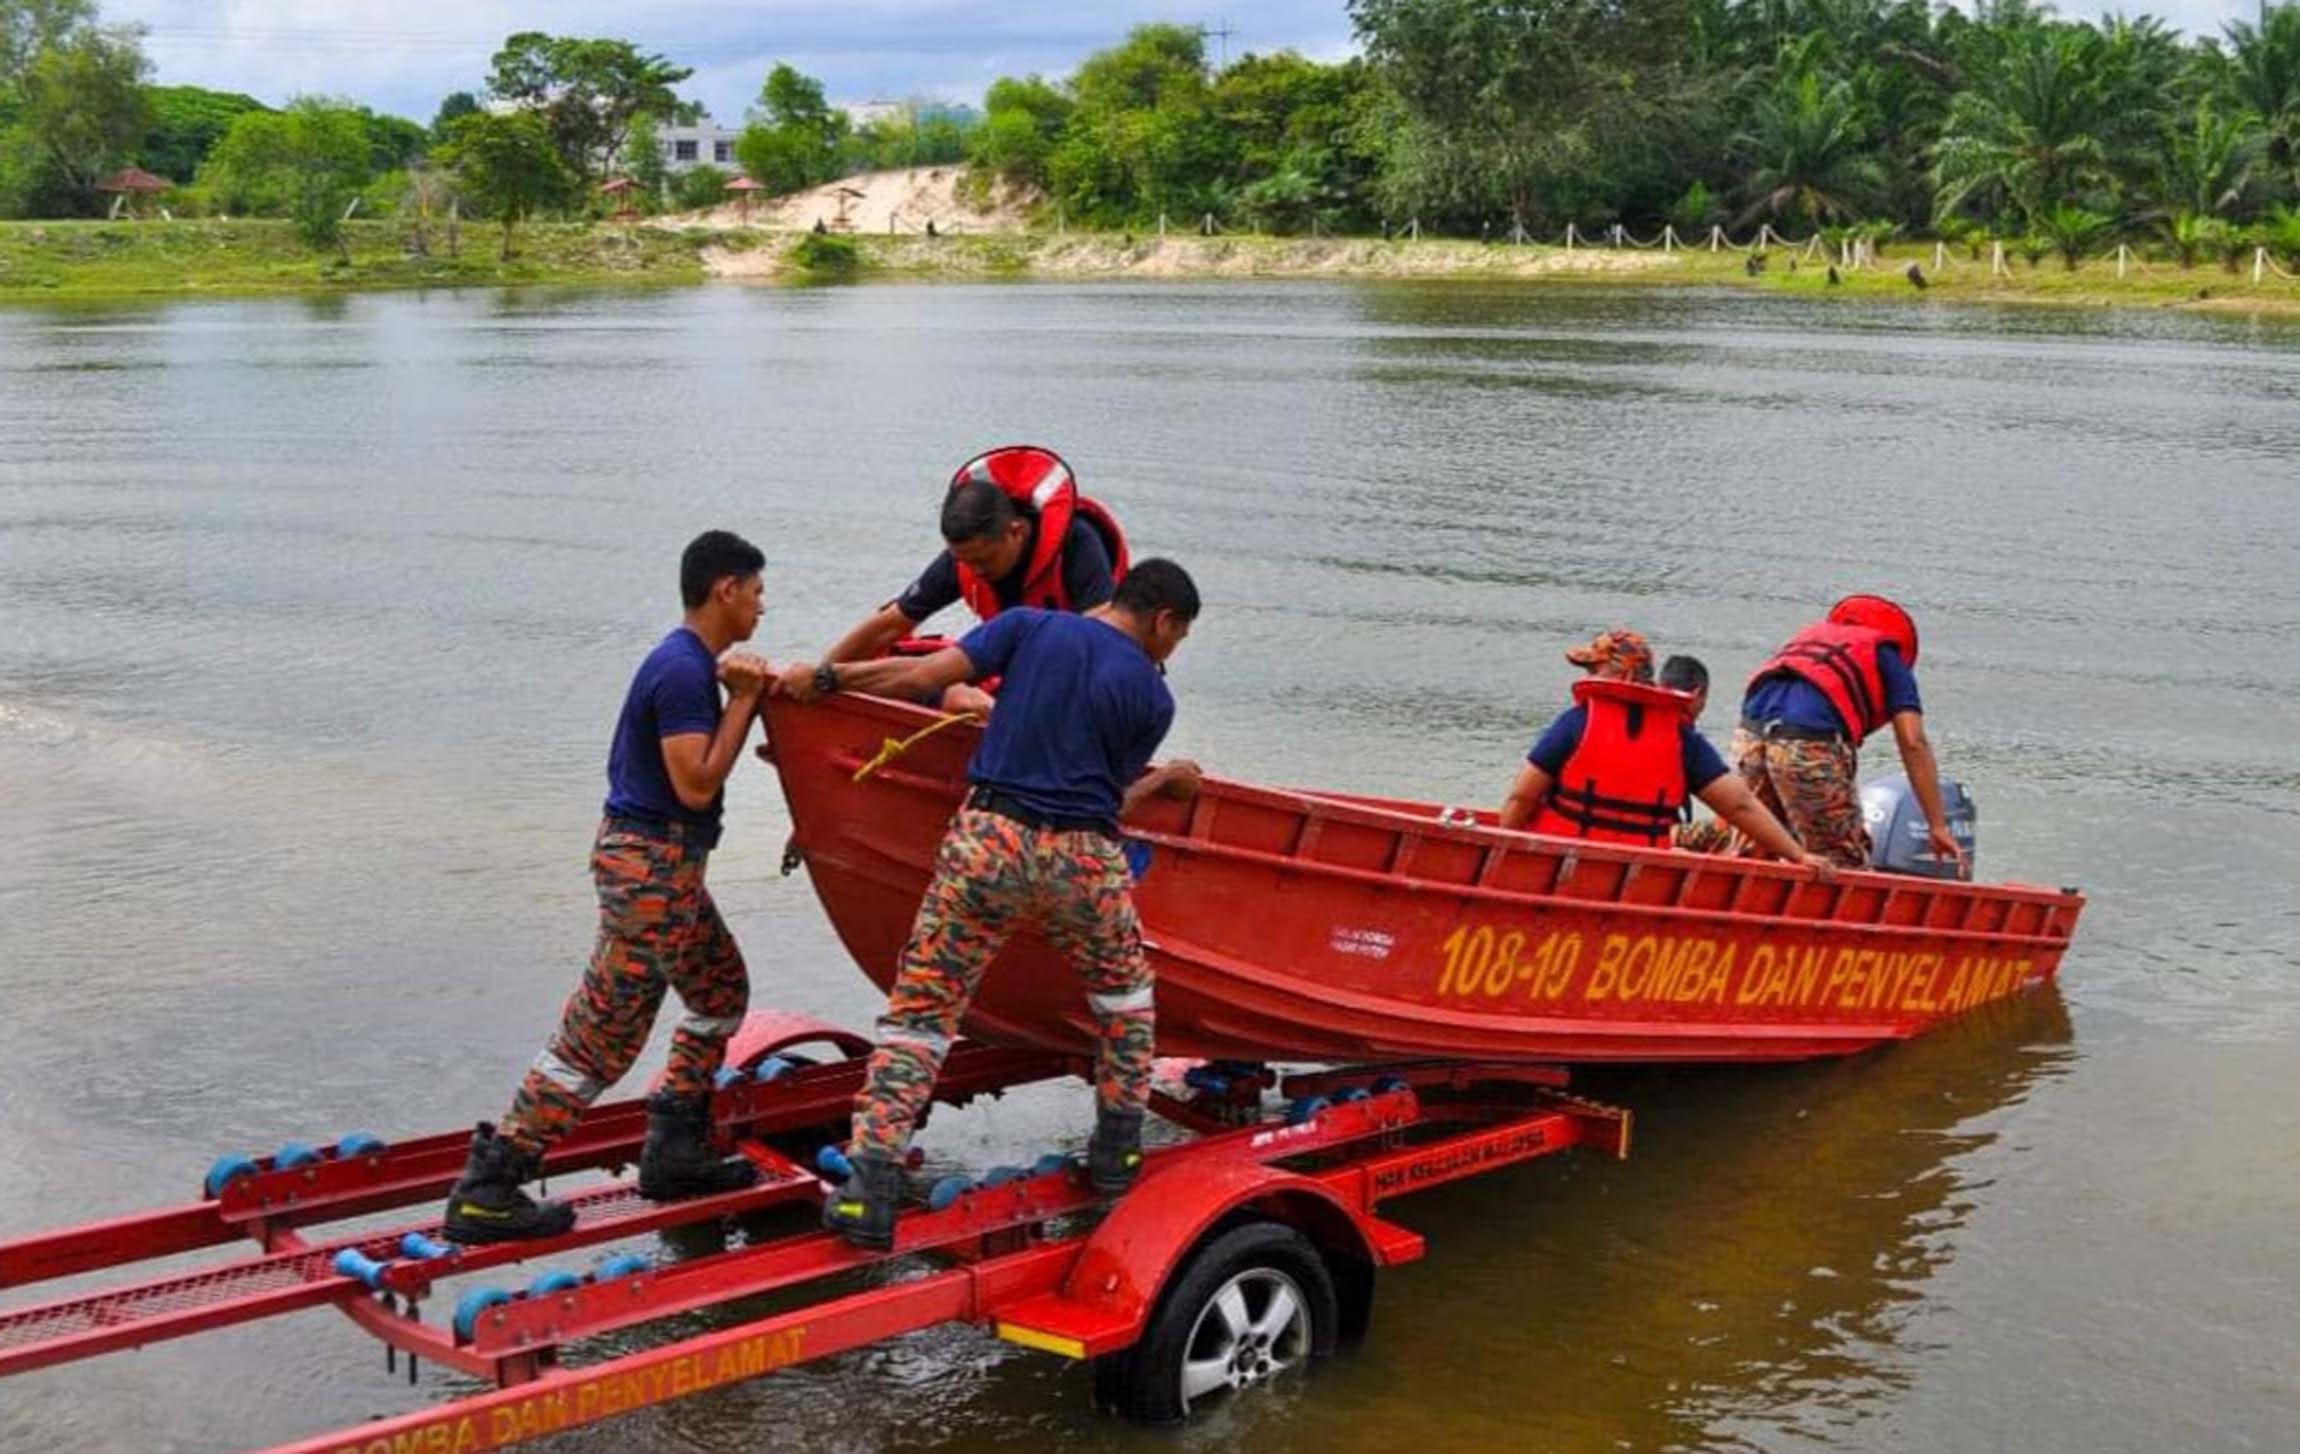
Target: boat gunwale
[(1356, 810)]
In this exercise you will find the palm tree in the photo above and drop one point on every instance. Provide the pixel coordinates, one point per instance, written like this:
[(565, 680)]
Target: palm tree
[(2205, 166), (1807, 150), (2261, 71), (2072, 231), (2028, 130), (2190, 235)]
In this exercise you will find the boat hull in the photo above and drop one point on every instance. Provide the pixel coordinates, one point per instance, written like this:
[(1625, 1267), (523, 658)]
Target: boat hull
[(1300, 926)]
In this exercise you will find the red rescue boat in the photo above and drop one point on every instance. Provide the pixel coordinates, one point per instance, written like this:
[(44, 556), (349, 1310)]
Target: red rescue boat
[(1309, 926)]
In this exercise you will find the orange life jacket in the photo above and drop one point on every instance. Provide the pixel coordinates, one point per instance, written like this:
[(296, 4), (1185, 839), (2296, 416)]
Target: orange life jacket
[(1841, 663), (1043, 488), (1626, 779)]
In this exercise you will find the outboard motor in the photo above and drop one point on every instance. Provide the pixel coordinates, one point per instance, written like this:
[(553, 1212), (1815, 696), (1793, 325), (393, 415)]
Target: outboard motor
[(1897, 828)]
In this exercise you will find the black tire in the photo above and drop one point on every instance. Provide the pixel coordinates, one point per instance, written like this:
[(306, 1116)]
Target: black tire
[(1186, 1328)]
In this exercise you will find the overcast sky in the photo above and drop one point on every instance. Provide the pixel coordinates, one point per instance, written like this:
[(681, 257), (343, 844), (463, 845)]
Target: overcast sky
[(404, 55)]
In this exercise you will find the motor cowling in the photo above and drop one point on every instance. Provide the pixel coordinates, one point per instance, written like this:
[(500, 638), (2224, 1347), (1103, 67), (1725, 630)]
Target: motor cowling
[(1896, 823)]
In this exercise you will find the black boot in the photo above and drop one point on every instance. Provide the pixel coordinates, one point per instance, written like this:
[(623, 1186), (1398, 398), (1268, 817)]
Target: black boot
[(678, 1160), (1114, 1153), (487, 1204), (862, 1211)]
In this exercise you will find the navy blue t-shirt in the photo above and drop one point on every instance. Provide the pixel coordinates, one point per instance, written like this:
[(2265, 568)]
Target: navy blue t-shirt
[(1080, 711), (676, 690), (1085, 575), (1550, 750), (1783, 696)]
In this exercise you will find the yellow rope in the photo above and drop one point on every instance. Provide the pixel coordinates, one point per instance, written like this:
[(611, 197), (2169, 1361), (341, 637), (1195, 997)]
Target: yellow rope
[(892, 748)]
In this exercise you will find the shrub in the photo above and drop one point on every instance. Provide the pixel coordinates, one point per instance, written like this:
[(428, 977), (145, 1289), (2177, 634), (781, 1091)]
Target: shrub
[(2073, 231), (699, 187), (825, 257)]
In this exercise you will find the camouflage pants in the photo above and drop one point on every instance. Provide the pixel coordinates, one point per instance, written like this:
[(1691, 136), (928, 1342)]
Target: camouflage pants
[(658, 930), (1706, 835), (992, 877), (1810, 787)]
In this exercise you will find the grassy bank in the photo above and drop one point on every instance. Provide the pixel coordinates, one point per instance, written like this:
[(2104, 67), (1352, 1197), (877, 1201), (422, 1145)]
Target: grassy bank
[(2093, 283), (48, 260)]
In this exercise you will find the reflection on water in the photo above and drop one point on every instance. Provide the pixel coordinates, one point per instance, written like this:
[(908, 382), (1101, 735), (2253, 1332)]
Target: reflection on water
[(313, 615)]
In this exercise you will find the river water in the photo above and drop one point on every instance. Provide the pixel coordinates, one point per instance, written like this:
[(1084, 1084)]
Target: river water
[(314, 616)]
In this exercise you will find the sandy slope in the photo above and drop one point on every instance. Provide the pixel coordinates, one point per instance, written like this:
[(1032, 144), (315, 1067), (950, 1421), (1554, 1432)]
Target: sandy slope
[(876, 202), (1119, 255)]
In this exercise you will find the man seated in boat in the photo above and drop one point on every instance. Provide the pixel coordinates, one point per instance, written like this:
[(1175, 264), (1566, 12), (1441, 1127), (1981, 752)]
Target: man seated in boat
[(1690, 675), (1016, 532), (1082, 708), (1618, 765), (1806, 712)]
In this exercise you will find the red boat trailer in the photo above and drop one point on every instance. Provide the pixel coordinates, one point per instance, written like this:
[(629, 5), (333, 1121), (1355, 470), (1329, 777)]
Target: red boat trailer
[(1277, 1204)]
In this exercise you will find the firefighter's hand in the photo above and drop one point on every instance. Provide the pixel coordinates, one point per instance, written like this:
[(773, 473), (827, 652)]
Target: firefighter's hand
[(796, 681), (1182, 779), (968, 698), (1944, 844), (744, 673)]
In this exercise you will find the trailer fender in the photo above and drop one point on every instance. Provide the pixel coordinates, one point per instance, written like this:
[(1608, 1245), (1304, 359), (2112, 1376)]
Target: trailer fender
[(764, 1032), (1141, 1244)]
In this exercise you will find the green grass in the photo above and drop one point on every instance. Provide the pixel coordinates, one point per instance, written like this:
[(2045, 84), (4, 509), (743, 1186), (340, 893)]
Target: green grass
[(48, 260), (2148, 282)]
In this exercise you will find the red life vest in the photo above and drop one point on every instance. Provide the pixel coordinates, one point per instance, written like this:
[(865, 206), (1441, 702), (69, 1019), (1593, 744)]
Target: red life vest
[(1042, 487), (1841, 663), (1626, 778)]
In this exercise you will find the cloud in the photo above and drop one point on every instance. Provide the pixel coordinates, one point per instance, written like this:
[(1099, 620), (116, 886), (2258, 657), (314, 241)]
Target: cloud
[(404, 55)]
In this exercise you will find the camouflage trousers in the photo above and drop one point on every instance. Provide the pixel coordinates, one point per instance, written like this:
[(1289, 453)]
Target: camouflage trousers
[(992, 877), (658, 930), (1810, 786)]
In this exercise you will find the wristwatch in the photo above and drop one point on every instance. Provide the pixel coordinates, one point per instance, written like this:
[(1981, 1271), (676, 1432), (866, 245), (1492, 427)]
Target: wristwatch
[(826, 679)]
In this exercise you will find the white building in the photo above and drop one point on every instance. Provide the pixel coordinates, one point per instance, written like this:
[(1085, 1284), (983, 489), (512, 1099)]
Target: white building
[(704, 143)]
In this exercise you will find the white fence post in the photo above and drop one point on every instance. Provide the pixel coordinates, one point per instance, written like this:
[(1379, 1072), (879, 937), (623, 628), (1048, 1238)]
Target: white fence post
[(2120, 252), (2259, 262), (1716, 236), (1668, 237), (1161, 224), (1414, 229), (1569, 237), (1940, 256), (1997, 268)]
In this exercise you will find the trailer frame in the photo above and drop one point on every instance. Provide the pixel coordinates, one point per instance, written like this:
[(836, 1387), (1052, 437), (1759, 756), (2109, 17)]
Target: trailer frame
[(1032, 1256)]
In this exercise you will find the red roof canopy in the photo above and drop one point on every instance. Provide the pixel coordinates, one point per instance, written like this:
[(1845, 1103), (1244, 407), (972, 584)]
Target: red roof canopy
[(133, 179), (617, 184), (744, 184)]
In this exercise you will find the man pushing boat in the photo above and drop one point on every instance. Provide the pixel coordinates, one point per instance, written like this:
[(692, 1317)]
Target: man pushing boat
[(658, 929), (1082, 708)]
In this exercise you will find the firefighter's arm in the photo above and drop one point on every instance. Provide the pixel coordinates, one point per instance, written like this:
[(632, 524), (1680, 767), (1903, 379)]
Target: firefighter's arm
[(1925, 777), (872, 635), (1526, 795), (1731, 799)]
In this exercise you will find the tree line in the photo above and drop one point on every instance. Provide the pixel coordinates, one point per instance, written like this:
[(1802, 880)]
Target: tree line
[(1489, 116), (1469, 116)]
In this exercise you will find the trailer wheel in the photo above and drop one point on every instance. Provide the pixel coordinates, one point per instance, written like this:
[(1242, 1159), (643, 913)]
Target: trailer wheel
[(1255, 1302)]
